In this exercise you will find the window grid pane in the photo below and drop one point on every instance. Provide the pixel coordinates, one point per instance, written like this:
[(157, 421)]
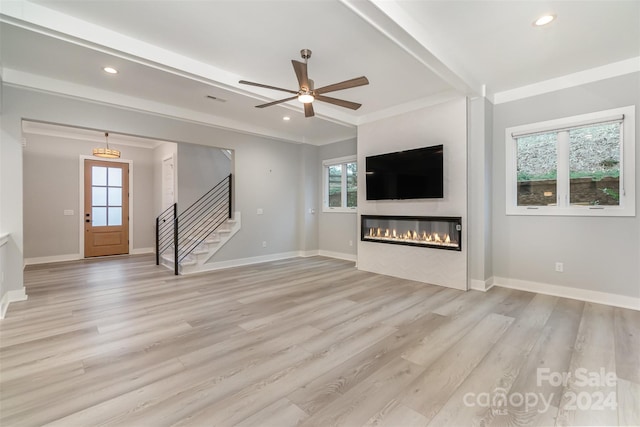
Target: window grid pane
[(115, 177), (352, 185), (98, 216), (114, 216), (99, 196), (98, 175), (537, 169), (335, 186), (594, 165), (115, 196)]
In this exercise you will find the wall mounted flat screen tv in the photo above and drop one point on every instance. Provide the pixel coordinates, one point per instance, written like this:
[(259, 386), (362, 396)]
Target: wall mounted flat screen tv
[(410, 174)]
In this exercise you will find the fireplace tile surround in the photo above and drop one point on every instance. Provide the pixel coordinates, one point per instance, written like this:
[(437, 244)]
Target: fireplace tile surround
[(422, 231)]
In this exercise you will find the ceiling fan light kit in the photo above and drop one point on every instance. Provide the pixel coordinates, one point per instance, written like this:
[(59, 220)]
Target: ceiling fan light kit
[(306, 92)]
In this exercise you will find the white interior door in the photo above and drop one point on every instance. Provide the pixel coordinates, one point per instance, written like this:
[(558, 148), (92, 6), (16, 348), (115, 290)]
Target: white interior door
[(168, 182)]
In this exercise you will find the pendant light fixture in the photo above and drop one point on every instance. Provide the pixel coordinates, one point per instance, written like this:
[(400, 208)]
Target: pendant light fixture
[(106, 153)]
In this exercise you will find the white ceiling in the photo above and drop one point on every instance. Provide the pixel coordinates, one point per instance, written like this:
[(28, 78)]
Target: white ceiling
[(172, 53)]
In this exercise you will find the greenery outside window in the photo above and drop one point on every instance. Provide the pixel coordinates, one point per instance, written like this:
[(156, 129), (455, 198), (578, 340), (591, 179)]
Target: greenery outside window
[(340, 184), (582, 165)]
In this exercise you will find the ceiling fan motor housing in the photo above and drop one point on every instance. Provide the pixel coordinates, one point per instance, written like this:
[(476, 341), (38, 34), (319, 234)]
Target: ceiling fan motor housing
[(305, 54)]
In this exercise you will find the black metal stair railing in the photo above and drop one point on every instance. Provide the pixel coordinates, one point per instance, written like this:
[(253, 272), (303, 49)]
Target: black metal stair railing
[(166, 230), (195, 224)]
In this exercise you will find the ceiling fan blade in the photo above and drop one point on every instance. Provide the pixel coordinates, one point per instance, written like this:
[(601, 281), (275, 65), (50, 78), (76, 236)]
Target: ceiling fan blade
[(244, 82), (308, 110), (340, 102), (301, 73), (280, 101), (358, 81)]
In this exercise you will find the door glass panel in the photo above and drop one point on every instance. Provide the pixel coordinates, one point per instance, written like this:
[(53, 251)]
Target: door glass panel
[(115, 177), (115, 216), (99, 196), (106, 196), (98, 217), (99, 175), (115, 196)]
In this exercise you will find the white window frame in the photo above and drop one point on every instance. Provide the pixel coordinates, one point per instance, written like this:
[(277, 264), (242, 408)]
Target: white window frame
[(563, 208), (325, 184)]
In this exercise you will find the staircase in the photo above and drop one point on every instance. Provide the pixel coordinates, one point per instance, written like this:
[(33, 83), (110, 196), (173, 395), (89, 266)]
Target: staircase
[(186, 242)]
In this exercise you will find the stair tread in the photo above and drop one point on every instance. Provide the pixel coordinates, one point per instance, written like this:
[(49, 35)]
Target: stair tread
[(204, 248)]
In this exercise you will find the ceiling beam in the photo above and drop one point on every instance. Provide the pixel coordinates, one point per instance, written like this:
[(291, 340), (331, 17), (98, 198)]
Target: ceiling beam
[(388, 17), (64, 27)]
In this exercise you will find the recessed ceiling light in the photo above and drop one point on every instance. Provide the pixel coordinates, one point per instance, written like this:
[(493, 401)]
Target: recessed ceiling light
[(110, 70), (286, 118), (544, 20)]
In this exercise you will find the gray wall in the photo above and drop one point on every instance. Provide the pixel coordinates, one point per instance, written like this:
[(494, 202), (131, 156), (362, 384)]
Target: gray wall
[(199, 169), (337, 229), (51, 174), (267, 176), (308, 198), (11, 196), (599, 254), (267, 171)]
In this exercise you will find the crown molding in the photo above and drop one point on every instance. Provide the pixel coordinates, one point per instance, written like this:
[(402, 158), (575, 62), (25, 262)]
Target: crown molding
[(614, 69), (98, 96)]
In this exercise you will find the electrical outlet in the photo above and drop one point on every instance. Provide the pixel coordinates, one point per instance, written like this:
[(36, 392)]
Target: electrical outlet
[(260, 212), (559, 267), (350, 242), (264, 244), (68, 212)]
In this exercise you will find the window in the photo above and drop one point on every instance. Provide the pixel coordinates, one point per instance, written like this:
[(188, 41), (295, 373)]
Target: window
[(106, 196), (340, 184), (581, 165)]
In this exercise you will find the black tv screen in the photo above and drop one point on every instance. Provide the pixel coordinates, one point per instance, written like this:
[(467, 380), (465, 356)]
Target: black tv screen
[(410, 174)]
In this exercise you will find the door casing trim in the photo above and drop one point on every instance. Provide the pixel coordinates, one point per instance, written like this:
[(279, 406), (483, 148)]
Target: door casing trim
[(81, 206)]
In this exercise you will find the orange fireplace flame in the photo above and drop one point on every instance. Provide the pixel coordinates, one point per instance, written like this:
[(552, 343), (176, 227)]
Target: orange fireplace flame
[(411, 235)]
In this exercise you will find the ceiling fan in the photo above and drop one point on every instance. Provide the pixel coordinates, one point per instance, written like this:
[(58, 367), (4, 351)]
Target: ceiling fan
[(307, 93)]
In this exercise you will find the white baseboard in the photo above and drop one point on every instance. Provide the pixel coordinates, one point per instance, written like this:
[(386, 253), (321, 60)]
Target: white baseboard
[(211, 266), (307, 254), (338, 255), (9, 297), (481, 285), (140, 251), (597, 297), (49, 259), (75, 257)]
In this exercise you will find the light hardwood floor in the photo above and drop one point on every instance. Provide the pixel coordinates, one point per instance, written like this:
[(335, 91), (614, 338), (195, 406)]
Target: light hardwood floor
[(310, 342)]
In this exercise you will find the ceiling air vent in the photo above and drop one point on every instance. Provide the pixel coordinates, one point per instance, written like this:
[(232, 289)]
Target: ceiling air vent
[(215, 98)]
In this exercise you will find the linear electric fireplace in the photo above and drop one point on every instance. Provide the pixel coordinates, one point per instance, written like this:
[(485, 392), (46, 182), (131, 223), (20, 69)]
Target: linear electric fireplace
[(425, 231)]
